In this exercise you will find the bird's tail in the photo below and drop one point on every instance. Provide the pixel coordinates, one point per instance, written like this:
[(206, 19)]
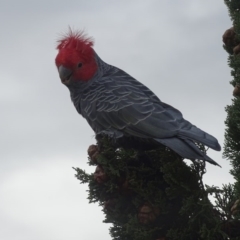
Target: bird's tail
[(200, 136), (186, 149)]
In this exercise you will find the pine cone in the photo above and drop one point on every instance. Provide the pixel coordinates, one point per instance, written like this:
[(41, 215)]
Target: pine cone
[(99, 175), (236, 50), (236, 91), (147, 214), (229, 38), (235, 208), (93, 153)]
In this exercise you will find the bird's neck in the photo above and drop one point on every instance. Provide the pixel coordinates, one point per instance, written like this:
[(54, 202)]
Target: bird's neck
[(78, 88), (102, 66)]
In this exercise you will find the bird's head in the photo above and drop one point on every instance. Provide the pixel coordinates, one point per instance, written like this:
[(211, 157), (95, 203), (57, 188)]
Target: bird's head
[(76, 58)]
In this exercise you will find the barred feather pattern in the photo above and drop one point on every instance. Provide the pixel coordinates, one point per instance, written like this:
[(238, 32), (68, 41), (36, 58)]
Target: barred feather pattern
[(116, 104)]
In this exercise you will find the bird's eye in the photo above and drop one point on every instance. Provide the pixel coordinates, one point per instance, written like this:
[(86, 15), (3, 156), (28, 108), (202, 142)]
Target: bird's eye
[(79, 65)]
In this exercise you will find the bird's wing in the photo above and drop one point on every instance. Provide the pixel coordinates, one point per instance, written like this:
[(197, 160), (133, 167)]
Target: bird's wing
[(122, 103)]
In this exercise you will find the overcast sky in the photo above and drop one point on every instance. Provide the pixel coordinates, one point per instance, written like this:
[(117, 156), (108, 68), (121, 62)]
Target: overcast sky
[(173, 47)]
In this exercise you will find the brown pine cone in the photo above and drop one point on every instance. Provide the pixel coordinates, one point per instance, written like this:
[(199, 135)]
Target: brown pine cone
[(229, 38), (236, 91), (235, 208), (147, 213), (236, 50), (93, 153), (99, 175)]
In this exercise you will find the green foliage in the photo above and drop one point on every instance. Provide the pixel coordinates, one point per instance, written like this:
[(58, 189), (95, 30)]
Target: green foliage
[(232, 133), (160, 180)]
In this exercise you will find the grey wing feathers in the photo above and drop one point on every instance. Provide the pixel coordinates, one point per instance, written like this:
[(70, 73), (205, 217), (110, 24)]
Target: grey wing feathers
[(125, 104), (118, 102), (200, 136), (186, 148)]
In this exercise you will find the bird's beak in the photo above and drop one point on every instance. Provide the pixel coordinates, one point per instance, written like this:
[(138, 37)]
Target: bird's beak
[(65, 74)]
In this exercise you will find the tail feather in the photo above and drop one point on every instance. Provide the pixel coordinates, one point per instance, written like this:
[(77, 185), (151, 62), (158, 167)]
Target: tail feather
[(200, 136), (186, 149)]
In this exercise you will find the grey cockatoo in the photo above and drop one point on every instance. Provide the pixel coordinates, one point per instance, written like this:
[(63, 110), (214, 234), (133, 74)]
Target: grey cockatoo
[(116, 104)]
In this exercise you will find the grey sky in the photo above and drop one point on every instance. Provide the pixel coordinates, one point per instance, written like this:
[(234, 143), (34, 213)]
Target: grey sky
[(173, 47)]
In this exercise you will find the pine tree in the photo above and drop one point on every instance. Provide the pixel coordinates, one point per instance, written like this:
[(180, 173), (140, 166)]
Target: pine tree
[(152, 194), (231, 39)]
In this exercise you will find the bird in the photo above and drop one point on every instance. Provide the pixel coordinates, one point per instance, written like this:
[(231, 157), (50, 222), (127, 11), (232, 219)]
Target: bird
[(117, 105)]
